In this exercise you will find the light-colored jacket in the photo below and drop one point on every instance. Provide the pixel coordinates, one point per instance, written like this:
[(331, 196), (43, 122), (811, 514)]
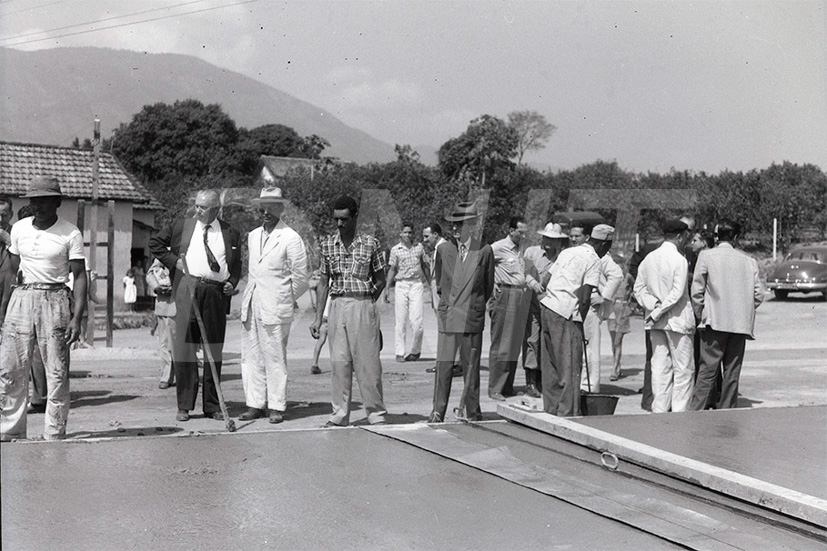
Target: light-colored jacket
[(661, 289), (278, 274), (726, 290)]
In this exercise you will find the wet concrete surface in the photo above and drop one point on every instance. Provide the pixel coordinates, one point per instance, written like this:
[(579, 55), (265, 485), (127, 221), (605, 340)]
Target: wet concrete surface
[(309, 489), (784, 446)]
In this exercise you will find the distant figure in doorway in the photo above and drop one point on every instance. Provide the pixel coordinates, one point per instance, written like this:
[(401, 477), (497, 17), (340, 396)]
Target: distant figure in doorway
[(130, 290)]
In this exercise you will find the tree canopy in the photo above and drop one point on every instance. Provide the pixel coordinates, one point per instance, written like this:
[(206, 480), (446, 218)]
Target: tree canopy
[(487, 144), (533, 131)]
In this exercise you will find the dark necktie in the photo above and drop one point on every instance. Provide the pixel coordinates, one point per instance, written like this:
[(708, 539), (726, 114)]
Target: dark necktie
[(462, 250), (214, 266)]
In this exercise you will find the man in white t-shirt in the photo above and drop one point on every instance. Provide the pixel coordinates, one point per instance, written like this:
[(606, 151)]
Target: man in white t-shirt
[(46, 248)]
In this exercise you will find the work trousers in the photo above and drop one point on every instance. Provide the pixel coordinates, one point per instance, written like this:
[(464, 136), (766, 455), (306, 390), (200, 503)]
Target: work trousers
[(590, 374), (211, 302), (647, 396), (353, 337), (561, 360), (672, 367), (264, 360), (509, 312), (35, 318), (166, 337), (470, 347), (719, 349), (531, 341), (409, 300)]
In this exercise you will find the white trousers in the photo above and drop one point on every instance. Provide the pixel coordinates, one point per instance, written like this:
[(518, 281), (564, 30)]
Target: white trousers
[(591, 331), (264, 361), (409, 298), (166, 336), (672, 369)]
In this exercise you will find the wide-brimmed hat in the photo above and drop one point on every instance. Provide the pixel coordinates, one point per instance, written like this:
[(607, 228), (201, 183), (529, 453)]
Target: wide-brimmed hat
[(269, 196), (462, 212), (43, 186), (554, 231)]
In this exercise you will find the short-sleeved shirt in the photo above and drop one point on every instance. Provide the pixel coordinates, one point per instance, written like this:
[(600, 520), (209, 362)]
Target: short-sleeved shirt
[(574, 267), (45, 254), (407, 261), (509, 266), (351, 269)]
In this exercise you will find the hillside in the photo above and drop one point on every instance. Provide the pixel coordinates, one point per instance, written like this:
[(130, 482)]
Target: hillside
[(51, 96)]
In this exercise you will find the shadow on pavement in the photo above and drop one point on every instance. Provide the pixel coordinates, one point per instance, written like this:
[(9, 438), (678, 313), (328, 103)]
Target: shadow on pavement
[(121, 432), (97, 398)]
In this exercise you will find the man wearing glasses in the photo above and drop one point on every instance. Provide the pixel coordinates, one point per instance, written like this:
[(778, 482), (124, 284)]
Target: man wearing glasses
[(203, 255)]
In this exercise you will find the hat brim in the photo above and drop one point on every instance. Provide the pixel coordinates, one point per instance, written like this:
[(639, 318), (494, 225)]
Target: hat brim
[(460, 217), (553, 235), (268, 200), (41, 194)]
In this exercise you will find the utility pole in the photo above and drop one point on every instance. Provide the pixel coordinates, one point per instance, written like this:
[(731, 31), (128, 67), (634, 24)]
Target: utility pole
[(93, 224)]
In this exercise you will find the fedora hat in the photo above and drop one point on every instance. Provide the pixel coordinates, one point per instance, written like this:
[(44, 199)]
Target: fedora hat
[(462, 212), (43, 186), (269, 195), (555, 231)]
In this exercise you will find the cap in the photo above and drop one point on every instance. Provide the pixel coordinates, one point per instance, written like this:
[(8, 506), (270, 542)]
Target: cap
[(43, 186), (674, 226), (603, 232)]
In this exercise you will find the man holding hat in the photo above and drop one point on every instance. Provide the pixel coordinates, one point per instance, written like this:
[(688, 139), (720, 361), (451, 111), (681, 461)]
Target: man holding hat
[(464, 272), (538, 259), (574, 276), (661, 289), (277, 277), (46, 248)]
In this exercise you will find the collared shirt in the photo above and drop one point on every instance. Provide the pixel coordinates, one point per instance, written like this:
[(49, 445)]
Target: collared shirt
[(197, 257), (463, 252), (407, 261), (660, 287), (574, 267), (611, 276), (537, 263), (509, 267), (351, 269), (45, 254), (432, 258)]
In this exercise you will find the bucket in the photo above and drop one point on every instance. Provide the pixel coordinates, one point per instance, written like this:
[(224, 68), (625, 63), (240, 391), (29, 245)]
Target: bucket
[(597, 404)]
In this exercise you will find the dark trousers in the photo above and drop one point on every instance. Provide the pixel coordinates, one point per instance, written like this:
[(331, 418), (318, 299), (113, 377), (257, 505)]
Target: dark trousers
[(509, 313), (648, 396), (561, 360), (470, 345), (212, 304), (726, 350)]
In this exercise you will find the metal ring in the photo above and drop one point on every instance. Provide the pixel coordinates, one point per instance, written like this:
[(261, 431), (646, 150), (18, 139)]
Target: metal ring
[(609, 460)]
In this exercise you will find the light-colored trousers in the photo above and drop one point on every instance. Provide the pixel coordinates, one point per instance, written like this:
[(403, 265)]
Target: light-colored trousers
[(591, 331), (34, 318), (672, 369), (166, 336), (409, 299), (264, 361), (353, 337)]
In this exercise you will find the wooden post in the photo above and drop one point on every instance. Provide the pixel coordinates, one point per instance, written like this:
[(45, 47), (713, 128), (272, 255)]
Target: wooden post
[(93, 222), (774, 238), (110, 273)]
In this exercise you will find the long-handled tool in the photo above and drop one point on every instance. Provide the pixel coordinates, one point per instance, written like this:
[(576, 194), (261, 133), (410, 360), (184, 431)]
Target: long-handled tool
[(229, 423)]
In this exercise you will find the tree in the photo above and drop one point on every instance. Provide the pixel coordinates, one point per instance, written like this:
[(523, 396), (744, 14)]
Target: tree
[(533, 131), (406, 154), (488, 144), (313, 147), (270, 139)]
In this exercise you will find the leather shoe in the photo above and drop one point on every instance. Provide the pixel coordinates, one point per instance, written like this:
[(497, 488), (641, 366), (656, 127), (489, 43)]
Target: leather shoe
[(330, 425), (314, 370), (456, 371), (250, 414), (276, 417), (531, 390), (496, 396), (183, 415), (431, 370), (411, 357), (435, 417), (217, 415), (400, 359)]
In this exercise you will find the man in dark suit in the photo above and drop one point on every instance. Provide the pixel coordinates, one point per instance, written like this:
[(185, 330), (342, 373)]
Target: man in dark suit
[(464, 272), (203, 257)]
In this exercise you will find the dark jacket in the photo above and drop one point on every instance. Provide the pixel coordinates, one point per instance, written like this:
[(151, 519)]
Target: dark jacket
[(463, 287)]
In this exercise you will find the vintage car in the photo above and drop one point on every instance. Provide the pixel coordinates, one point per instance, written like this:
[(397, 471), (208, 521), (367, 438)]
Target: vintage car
[(803, 271)]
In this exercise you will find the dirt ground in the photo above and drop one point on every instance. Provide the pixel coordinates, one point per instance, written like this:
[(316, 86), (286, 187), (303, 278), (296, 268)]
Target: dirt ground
[(115, 391)]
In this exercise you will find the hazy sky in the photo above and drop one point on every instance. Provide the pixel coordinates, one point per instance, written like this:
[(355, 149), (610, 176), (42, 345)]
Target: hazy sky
[(653, 85)]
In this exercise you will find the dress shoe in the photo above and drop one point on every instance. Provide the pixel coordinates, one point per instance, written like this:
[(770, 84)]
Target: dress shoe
[(36, 408), (411, 357), (431, 370), (217, 415), (331, 425), (400, 359), (496, 396), (314, 370), (250, 414), (435, 417), (276, 417), (163, 385), (456, 371), (183, 415), (531, 390)]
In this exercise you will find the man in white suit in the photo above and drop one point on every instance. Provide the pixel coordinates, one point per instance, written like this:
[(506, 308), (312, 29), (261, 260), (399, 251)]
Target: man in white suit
[(726, 290), (278, 276)]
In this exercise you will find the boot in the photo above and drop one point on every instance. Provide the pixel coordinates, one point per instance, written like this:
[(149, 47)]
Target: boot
[(530, 384)]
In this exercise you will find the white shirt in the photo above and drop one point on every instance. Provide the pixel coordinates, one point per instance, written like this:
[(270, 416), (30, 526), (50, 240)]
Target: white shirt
[(197, 257), (574, 267), (661, 289), (45, 254)]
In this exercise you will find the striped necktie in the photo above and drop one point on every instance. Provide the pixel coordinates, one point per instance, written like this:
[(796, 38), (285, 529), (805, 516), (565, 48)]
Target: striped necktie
[(211, 260)]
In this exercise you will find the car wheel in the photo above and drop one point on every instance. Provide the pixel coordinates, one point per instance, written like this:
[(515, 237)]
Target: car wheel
[(780, 295)]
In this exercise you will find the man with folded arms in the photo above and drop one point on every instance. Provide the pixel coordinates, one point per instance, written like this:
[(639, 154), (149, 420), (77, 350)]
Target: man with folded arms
[(278, 276)]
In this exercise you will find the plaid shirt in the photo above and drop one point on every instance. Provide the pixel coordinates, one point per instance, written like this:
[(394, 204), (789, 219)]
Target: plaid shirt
[(351, 269), (407, 261)]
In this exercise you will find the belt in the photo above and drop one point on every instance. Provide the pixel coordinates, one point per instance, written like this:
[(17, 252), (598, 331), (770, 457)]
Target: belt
[(509, 286), (353, 295), (209, 281), (44, 286)]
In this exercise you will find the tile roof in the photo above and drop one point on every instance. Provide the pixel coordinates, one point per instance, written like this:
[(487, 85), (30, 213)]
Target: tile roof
[(19, 163)]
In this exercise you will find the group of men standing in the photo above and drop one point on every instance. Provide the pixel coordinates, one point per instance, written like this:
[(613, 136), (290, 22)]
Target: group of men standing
[(543, 302)]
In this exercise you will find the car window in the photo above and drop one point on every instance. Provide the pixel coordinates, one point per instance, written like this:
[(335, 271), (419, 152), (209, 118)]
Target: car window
[(808, 255)]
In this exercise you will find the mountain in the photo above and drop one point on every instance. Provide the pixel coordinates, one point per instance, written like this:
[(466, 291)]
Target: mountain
[(51, 96)]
